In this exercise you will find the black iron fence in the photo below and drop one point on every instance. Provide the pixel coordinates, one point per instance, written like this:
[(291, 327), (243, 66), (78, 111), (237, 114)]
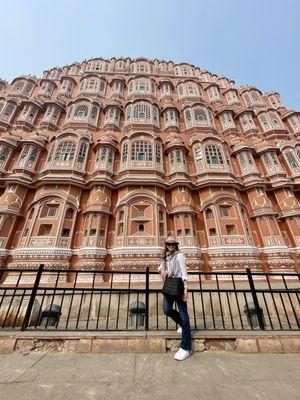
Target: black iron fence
[(121, 300)]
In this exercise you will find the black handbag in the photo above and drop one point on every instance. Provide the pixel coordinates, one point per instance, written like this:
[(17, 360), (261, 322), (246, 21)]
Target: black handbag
[(173, 287)]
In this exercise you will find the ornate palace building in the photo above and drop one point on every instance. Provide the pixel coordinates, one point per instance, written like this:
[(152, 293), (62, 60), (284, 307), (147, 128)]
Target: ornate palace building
[(101, 160)]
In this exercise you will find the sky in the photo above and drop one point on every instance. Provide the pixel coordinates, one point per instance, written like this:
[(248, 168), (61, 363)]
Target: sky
[(252, 42)]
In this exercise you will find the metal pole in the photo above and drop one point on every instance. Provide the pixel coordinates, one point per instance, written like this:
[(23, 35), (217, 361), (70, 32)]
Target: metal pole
[(147, 299), (32, 297), (255, 299)]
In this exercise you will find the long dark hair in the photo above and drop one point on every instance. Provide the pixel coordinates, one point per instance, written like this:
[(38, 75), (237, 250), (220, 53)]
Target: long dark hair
[(166, 250)]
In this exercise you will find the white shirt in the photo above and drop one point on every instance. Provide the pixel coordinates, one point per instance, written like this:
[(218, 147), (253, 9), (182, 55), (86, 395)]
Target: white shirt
[(176, 266)]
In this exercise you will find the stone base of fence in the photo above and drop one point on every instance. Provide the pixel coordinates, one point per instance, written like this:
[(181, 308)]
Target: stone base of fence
[(148, 342)]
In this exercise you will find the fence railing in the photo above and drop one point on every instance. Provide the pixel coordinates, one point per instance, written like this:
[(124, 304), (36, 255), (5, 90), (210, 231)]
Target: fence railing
[(122, 301)]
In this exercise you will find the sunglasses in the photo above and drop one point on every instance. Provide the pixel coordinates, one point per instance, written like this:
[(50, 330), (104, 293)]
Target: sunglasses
[(171, 244)]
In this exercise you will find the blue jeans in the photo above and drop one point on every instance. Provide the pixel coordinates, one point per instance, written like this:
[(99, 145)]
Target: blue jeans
[(181, 318)]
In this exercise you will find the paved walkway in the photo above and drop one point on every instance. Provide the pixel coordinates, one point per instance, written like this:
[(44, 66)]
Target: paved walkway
[(208, 376)]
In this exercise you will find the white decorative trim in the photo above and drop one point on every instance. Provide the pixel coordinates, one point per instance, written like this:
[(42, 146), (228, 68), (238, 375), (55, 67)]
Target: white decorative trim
[(41, 252), (91, 251), (153, 250), (231, 251)]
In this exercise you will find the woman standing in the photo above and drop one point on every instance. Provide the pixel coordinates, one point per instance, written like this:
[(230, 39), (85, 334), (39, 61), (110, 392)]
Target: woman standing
[(174, 265)]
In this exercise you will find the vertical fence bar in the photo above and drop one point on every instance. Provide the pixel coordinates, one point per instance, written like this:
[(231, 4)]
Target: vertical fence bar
[(291, 303), (147, 299), (255, 299), (32, 297)]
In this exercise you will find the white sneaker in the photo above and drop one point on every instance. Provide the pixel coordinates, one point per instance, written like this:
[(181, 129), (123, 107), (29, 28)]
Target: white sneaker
[(179, 330), (181, 354)]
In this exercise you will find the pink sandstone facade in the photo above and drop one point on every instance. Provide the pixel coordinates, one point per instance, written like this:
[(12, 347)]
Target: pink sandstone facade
[(101, 160)]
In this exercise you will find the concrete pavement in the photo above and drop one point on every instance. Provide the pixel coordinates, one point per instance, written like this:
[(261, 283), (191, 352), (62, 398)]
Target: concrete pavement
[(208, 375)]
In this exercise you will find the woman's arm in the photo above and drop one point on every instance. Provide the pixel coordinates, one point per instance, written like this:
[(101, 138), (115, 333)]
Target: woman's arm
[(184, 275), (182, 264), (162, 269)]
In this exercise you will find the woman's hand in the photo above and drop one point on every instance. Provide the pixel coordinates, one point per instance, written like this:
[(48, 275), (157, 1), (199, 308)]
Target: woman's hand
[(164, 274), (185, 294)]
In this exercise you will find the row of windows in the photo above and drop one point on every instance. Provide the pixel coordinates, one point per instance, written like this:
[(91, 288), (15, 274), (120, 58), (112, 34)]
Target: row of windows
[(145, 113), (142, 67), (51, 210), (143, 86), (65, 153)]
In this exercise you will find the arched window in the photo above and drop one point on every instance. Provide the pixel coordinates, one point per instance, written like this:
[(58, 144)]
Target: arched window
[(141, 227), (231, 97), (141, 111), (128, 113), (188, 89), (292, 161), (170, 117), (18, 86), (166, 89), (177, 160), (92, 85), (188, 116), (247, 122), (33, 155), (117, 88), (52, 114), (172, 159), (267, 161), (81, 112), (180, 91), (155, 115), (112, 115), (110, 156), (213, 155), (104, 158), (7, 112), (65, 151), (69, 213), (178, 156), (143, 86), (49, 210), (4, 154), (198, 155), (120, 64), (264, 120), (213, 93), (246, 162), (82, 153), (200, 115), (141, 151), (67, 87), (22, 88), (28, 156), (94, 113), (209, 213), (275, 119), (29, 113), (271, 162), (247, 99), (125, 153), (101, 154), (24, 153), (158, 152), (102, 86), (227, 121)]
